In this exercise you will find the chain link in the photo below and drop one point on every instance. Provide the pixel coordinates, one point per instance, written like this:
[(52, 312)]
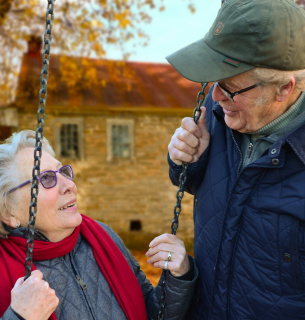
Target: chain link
[(39, 136), (179, 196)]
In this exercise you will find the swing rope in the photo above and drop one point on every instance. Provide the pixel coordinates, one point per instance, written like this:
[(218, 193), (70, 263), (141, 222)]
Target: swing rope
[(179, 196), (39, 136)]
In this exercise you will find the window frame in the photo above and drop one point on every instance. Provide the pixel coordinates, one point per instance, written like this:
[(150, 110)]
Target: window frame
[(57, 138), (124, 122)]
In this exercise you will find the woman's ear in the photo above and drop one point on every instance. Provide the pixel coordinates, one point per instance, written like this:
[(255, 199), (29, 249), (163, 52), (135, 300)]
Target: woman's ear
[(11, 221), (286, 90)]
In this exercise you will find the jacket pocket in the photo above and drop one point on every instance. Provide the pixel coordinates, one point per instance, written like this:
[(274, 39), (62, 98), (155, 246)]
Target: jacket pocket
[(292, 256)]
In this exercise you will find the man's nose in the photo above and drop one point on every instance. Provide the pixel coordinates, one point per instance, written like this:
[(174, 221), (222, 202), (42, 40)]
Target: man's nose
[(218, 94)]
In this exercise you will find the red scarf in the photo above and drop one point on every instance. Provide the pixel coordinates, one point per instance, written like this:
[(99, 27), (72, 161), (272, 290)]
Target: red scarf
[(109, 258)]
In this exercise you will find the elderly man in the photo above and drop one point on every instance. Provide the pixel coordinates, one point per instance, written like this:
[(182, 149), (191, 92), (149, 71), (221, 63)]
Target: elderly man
[(247, 162)]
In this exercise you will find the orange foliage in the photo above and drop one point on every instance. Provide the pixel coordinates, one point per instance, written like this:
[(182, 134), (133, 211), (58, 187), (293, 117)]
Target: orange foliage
[(80, 28), (152, 273)]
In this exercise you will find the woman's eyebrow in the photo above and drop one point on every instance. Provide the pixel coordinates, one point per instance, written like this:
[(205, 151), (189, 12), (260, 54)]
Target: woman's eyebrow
[(58, 165)]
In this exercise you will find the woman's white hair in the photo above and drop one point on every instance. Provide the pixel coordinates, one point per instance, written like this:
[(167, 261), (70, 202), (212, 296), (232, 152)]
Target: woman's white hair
[(8, 180)]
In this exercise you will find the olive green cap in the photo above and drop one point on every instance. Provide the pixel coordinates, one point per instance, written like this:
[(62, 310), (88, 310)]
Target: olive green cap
[(246, 34)]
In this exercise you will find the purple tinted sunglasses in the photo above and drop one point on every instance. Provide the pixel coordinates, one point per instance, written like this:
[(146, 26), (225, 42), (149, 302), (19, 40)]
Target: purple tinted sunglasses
[(48, 178)]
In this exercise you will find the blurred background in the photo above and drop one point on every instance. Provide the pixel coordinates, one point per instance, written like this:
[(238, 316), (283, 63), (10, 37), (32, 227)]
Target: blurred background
[(113, 102)]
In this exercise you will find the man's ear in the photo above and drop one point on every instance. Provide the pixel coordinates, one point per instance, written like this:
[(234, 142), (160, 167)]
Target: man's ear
[(286, 90)]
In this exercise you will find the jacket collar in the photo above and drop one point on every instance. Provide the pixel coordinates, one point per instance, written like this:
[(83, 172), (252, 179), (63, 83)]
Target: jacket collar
[(295, 139), (23, 233), (218, 112)]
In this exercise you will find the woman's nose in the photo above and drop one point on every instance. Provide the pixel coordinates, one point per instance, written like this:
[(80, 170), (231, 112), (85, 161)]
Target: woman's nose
[(218, 95), (66, 185)]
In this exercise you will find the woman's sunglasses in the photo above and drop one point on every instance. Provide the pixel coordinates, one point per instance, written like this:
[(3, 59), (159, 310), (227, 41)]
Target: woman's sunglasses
[(48, 178)]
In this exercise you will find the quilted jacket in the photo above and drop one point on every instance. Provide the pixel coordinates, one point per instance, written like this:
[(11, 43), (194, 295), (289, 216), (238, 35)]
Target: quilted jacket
[(249, 223), (84, 293)]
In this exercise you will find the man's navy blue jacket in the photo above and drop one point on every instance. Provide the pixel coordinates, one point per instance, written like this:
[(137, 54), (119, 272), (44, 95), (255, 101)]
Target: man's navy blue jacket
[(249, 241)]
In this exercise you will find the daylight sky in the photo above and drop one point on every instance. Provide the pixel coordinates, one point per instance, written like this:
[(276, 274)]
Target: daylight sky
[(173, 29)]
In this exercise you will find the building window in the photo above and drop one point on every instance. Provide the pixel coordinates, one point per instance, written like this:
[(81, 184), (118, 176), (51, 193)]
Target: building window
[(120, 139), (69, 138), (135, 225), (69, 145)]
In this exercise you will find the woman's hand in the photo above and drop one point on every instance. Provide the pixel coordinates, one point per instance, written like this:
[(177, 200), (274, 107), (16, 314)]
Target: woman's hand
[(170, 248), (190, 140), (33, 299)]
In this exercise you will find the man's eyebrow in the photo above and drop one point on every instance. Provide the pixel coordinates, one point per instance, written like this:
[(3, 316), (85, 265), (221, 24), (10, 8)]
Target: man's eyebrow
[(230, 83)]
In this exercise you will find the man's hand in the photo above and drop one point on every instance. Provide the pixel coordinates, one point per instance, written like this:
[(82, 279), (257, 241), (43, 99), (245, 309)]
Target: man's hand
[(190, 140)]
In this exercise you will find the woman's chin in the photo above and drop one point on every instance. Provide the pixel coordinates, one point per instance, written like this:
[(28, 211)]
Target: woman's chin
[(70, 219), (76, 218)]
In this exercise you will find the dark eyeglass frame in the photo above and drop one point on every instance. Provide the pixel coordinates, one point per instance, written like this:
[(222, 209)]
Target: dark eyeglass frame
[(230, 95), (55, 180)]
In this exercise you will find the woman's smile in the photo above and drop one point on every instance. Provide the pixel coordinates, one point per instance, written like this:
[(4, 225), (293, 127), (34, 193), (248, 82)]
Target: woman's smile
[(71, 206)]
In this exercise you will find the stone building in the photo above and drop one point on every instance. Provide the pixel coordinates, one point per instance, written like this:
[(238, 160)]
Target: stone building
[(114, 131)]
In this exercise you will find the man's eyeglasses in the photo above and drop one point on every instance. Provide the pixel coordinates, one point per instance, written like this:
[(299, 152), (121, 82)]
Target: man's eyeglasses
[(231, 95), (48, 178)]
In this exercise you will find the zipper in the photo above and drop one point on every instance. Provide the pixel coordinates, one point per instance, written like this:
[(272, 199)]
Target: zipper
[(250, 148), (249, 152), (81, 282), (239, 151)]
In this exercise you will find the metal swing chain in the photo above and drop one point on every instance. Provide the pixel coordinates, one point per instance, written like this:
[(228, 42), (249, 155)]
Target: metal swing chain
[(179, 196), (39, 136)]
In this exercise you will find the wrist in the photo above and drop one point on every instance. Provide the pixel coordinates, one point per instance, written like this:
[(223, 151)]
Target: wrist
[(17, 315)]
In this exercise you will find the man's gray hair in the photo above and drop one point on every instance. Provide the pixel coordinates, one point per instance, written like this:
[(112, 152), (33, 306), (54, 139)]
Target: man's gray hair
[(271, 78), (279, 77), (8, 178)]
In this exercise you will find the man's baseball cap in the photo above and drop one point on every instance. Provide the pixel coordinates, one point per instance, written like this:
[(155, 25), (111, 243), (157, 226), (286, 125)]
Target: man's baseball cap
[(246, 34)]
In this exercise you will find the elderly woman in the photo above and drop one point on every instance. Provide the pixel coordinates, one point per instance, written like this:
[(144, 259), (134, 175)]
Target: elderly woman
[(82, 270)]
